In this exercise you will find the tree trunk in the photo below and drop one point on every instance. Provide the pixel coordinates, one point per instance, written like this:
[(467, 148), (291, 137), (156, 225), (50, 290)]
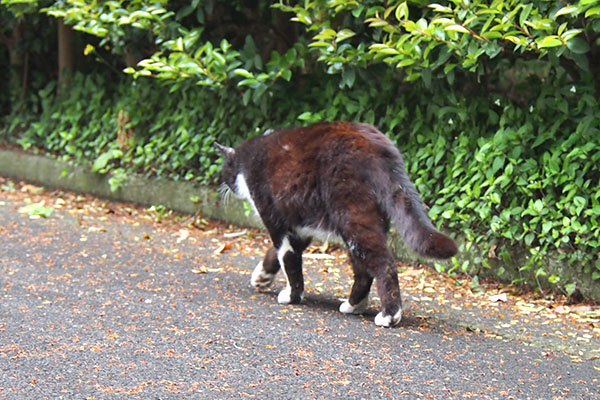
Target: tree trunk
[(65, 53), (14, 69), (15, 55)]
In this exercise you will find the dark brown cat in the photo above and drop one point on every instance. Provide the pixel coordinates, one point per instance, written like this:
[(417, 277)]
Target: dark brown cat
[(346, 179)]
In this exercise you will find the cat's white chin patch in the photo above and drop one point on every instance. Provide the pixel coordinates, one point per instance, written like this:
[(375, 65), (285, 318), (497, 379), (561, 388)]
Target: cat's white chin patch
[(388, 320), (359, 308), (260, 278), (242, 191)]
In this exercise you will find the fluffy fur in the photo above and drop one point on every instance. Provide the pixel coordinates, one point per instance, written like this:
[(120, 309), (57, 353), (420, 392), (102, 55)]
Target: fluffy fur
[(346, 179)]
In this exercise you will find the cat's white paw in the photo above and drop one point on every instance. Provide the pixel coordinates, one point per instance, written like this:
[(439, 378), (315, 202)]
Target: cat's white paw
[(359, 308), (388, 320), (285, 296), (260, 278)]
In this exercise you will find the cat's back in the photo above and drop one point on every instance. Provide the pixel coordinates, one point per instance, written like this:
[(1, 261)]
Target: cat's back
[(327, 159), (327, 143)]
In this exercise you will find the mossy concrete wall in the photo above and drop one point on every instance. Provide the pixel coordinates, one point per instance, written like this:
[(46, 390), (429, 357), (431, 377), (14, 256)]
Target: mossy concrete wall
[(178, 196)]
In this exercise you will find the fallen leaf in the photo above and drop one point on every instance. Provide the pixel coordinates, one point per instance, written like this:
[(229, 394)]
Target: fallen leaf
[(235, 234), (32, 189), (223, 248), (319, 256), (183, 235), (582, 309), (498, 297)]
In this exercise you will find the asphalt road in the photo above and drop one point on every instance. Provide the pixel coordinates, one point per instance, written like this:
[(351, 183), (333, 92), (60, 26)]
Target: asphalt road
[(106, 304)]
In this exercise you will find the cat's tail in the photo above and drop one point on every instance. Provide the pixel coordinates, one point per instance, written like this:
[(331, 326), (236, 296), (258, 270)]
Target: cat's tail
[(412, 222)]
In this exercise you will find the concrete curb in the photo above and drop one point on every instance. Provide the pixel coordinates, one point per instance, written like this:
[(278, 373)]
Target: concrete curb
[(56, 174), (177, 195)]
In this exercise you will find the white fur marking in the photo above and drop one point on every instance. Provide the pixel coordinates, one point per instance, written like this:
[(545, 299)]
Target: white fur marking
[(242, 190), (352, 247), (260, 278), (317, 233), (282, 251), (284, 296), (388, 320), (359, 308)]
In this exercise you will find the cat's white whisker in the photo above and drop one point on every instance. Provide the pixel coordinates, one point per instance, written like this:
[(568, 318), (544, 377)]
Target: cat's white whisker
[(225, 192)]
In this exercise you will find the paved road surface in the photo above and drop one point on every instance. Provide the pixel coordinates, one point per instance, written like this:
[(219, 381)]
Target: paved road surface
[(99, 304)]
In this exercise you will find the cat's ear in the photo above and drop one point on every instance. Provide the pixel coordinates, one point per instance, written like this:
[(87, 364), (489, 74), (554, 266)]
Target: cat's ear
[(225, 151)]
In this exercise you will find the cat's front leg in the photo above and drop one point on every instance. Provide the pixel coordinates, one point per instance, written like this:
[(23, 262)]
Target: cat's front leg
[(290, 259), (264, 273)]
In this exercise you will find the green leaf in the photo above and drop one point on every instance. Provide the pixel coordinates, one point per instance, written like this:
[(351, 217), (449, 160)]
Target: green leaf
[(525, 13), (566, 10), (491, 35), (578, 45), (348, 76), (37, 210), (538, 206), (219, 58), (405, 63), (439, 8), (498, 163), (343, 35), (325, 34), (550, 41), (456, 28), (302, 17), (104, 158), (571, 33), (402, 11), (570, 288), (592, 11), (243, 72), (286, 74), (305, 116)]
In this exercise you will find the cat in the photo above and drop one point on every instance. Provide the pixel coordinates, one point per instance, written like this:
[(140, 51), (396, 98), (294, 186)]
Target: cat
[(341, 178)]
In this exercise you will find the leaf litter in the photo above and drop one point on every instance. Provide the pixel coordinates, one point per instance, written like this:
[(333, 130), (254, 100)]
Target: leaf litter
[(495, 309)]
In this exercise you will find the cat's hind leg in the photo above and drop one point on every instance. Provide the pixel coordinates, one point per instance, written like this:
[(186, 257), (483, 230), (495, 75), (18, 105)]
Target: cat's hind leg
[(264, 273), (389, 292), (359, 295), (366, 236)]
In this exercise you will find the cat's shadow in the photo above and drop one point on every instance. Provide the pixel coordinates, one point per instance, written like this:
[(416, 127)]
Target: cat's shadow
[(326, 303)]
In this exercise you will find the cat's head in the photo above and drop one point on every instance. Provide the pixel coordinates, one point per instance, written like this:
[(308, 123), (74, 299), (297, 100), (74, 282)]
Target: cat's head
[(230, 168)]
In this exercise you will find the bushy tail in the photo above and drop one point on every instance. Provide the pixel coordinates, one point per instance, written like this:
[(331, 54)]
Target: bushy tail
[(415, 227)]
